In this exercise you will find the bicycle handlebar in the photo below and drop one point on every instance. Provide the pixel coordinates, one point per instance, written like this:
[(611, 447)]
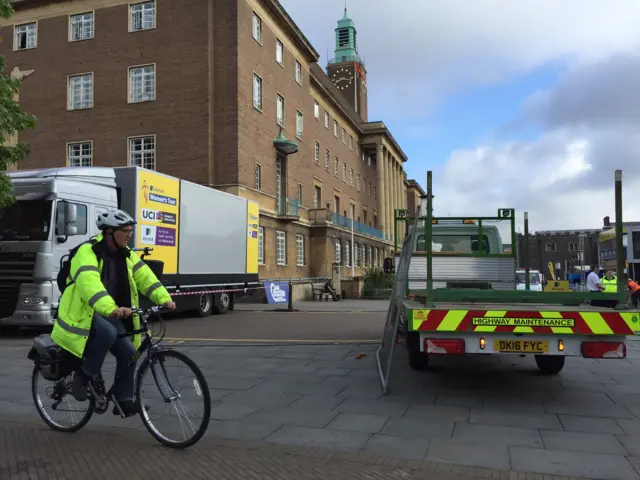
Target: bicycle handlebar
[(150, 310)]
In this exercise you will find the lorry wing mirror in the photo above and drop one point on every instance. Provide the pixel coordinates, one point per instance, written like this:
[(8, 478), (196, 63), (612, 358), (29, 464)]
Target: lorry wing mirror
[(70, 213), (70, 230)]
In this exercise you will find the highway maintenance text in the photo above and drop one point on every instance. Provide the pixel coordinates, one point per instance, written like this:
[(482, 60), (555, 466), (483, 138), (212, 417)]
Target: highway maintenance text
[(523, 322)]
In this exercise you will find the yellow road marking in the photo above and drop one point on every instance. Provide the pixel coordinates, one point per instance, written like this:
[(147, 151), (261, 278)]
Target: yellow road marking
[(263, 340)]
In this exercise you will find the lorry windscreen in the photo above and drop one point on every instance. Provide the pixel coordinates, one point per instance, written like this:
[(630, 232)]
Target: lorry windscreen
[(26, 220), (454, 243), (534, 278)]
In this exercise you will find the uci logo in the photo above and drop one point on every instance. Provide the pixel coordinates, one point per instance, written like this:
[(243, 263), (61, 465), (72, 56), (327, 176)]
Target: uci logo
[(152, 215)]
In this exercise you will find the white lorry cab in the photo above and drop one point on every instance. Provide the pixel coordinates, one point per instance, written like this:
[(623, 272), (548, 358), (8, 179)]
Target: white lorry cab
[(535, 280)]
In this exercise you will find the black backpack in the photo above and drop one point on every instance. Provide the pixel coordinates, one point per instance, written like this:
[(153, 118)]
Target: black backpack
[(65, 267)]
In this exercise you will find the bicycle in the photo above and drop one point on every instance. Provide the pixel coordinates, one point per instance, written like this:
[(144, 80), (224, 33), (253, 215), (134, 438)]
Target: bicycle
[(58, 366)]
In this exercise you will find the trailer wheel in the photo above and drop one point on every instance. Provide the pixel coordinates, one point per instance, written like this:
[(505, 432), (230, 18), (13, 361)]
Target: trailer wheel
[(205, 305), (417, 360), (550, 364), (222, 303)]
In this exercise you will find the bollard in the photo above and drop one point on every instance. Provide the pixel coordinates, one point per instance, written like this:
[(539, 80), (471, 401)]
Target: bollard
[(290, 299)]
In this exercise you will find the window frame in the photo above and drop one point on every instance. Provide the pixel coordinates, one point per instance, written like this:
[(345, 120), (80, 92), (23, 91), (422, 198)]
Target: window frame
[(279, 49), (316, 152), (280, 121), (257, 174), (71, 25), (26, 32), (298, 74), (70, 107), (130, 79), (300, 250), (130, 151), (256, 27), (299, 124), (80, 143), (261, 245), (253, 92), (130, 11), (281, 261)]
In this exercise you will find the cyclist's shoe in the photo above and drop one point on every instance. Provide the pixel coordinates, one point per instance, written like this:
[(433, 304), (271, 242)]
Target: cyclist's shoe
[(79, 387), (129, 408)]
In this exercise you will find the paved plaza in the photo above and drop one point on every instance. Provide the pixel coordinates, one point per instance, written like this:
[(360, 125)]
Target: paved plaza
[(469, 417)]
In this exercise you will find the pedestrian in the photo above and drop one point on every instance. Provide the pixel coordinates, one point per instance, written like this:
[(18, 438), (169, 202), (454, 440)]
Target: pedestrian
[(634, 292), (594, 285)]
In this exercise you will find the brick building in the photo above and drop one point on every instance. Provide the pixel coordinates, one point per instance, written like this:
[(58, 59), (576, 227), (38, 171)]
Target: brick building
[(226, 94), (414, 193)]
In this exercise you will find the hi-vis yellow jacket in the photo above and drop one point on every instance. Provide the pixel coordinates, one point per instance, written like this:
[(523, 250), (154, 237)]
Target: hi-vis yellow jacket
[(610, 285), (88, 295)]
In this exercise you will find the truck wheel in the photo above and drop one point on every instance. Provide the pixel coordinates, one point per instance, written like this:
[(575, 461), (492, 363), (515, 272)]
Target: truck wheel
[(417, 360), (205, 305), (222, 304), (550, 364)]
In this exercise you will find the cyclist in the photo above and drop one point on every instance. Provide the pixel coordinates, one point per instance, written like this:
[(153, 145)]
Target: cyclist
[(96, 307)]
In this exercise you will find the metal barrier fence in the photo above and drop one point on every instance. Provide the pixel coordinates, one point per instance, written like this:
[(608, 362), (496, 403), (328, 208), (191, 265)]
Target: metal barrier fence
[(384, 354)]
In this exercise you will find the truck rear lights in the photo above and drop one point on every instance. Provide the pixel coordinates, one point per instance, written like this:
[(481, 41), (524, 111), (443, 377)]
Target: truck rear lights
[(604, 350), (483, 343), (560, 346), (444, 346)]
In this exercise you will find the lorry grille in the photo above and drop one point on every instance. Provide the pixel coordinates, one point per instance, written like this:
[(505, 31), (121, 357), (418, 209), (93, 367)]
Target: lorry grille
[(17, 266), (9, 292)]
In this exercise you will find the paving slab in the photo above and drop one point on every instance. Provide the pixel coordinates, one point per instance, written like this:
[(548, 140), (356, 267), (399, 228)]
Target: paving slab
[(579, 423), (582, 442), (498, 435), (396, 446), (585, 465), (319, 438), (423, 412), (300, 417), (515, 419), (410, 428), (358, 422), (469, 453)]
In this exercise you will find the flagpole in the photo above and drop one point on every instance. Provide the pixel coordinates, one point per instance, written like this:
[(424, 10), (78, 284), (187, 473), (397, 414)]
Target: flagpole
[(353, 252)]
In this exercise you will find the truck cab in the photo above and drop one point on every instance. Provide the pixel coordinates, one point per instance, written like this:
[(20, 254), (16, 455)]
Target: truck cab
[(54, 211), (535, 280), (460, 238)]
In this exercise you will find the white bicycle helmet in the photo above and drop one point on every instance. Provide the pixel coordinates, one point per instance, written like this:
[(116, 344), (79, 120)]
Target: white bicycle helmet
[(114, 218)]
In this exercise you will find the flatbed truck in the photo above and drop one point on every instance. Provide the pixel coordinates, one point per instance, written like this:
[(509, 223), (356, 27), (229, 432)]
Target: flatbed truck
[(460, 311)]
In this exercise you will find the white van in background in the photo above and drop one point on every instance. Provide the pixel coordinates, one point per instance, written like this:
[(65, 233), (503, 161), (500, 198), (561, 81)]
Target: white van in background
[(535, 280)]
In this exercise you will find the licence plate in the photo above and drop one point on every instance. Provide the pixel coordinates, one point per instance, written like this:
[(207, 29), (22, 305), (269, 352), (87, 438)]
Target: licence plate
[(520, 346)]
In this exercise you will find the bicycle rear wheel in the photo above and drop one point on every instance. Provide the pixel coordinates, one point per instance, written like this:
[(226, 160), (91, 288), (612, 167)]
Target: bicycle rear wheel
[(170, 398), (74, 414)]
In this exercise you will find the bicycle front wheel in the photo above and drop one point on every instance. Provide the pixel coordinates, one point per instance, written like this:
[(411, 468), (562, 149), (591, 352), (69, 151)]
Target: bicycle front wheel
[(174, 408)]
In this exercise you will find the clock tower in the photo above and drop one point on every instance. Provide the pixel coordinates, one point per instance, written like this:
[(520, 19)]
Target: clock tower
[(346, 69)]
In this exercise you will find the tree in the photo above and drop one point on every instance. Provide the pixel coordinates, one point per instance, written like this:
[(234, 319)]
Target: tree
[(13, 120)]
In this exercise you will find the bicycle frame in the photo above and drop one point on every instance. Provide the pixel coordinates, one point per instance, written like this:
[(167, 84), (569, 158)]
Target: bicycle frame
[(147, 346)]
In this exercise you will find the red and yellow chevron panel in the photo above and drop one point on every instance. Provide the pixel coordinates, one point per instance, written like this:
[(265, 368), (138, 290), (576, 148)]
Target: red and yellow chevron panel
[(512, 321)]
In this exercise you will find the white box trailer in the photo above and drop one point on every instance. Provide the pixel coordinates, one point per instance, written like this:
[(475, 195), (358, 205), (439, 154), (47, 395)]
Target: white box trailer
[(207, 239)]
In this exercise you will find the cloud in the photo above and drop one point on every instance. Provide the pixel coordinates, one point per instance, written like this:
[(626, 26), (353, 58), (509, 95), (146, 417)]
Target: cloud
[(564, 178), (418, 51)]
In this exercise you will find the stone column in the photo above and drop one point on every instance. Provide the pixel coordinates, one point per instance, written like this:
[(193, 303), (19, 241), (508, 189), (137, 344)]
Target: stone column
[(12, 140), (394, 197), (380, 187), (389, 191), (399, 183)]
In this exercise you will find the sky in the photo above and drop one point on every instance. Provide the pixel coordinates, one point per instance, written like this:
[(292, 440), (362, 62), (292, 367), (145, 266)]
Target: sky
[(524, 104)]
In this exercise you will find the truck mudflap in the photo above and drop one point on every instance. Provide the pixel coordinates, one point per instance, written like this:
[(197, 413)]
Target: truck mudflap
[(526, 322)]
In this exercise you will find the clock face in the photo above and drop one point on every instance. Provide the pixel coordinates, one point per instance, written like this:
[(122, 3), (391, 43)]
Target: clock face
[(342, 78)]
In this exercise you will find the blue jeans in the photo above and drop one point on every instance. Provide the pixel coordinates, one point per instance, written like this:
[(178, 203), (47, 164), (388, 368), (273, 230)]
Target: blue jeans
[(104, 338)]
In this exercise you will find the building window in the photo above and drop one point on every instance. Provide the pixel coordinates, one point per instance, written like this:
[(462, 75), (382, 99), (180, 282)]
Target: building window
[(142, 83), (326, 120), (80, 154), (316, 153), (347, 258), (344, 136), (344, 172), (260, 245), (279, 52), (335, 129), (258, 177), (299, 250), (80, 91), (369, 160), (370, 256), (336, 162), (338, 256), (298, 72), (316, 110), (280, 111), (358, 181), (327, 160), (317, 196), (374, 193), (81, 27), (369, 189), (356, 255), (550, 247), (351, 177), (299, 124), (142, 152), (300, 193), (281, 248), (143, 16), (256, 30), (257, 92), (25, 36), (350, 142)]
